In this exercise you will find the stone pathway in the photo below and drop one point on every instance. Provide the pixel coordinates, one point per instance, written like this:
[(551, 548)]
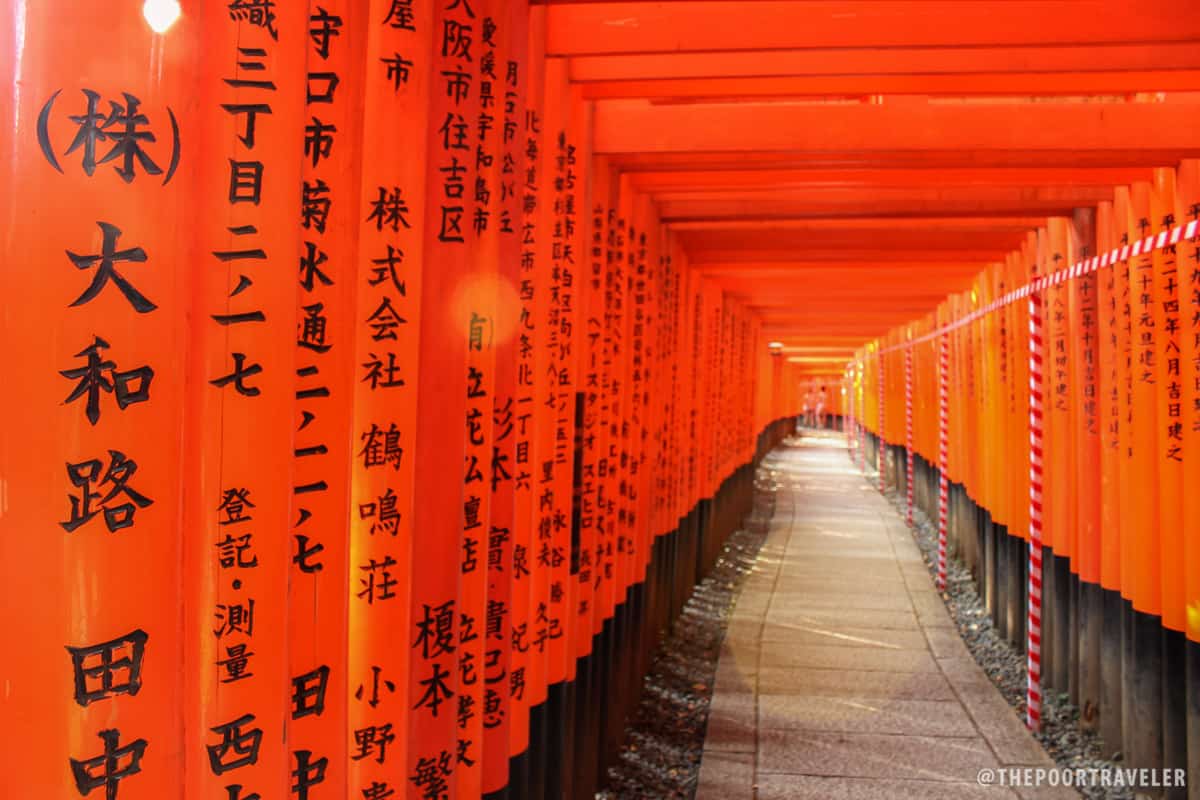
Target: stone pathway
[(842, 676)]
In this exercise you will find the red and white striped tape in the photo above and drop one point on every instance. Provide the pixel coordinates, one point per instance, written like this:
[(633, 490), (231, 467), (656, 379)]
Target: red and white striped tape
[(879, 450), (1033, 715), (1079, 269), (943, 455), (908, 431)]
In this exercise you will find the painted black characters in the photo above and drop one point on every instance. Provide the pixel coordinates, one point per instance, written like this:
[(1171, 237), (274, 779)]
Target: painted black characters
[(124, 131)]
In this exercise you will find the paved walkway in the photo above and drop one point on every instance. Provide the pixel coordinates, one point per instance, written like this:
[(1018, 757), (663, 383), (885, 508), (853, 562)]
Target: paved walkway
[(842, 676)]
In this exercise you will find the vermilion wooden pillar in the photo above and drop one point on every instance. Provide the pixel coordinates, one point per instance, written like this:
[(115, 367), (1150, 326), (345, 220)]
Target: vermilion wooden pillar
[(392, 217), (241, 406)]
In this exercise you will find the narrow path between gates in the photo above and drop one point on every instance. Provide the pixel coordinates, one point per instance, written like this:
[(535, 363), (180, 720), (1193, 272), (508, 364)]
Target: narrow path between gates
[(842, 675)]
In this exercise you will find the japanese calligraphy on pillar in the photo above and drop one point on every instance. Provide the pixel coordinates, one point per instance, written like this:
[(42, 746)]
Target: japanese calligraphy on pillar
[(242, 405), (451, 479), (325, 372), (524, 407), (385, 331), (480, 329), (592, 366), (1147, 589), (91, 460), (507, 178), (556, 443), (1169, 384), (637, 377)]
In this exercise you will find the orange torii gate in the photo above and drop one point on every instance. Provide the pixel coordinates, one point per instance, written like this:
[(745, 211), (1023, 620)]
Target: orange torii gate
[(352, 365), (387, 371)]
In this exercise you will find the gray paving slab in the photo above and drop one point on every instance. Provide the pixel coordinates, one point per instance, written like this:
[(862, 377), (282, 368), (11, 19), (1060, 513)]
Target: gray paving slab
[(809, 787), (842, 675), (726, 776)]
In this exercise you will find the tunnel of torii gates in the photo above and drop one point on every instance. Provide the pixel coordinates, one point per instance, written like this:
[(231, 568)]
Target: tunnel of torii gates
[(384, 373)]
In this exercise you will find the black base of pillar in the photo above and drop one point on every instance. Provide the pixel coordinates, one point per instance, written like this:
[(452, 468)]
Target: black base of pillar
[(1111, 684), (1174, 707), (1147, 739)]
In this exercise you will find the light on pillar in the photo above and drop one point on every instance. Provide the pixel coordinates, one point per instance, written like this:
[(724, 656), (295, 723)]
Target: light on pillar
[(161, 14)]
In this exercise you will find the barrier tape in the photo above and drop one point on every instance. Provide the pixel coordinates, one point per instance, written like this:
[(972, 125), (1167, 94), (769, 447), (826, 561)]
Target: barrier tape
[(882, 440), (908, 430), (1033, 713), (943, 455), (1077, 270), (1032, 293)]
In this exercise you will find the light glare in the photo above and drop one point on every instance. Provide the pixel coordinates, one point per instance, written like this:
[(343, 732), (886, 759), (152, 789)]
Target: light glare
[(161, 14)]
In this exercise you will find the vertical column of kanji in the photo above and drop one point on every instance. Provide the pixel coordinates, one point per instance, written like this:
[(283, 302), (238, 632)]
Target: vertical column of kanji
[(1083, 298), (969, 418), (478, 301), (241, 403), (495, 712), (658, 485), (673, 331), (576, 615), (557, 443), (103, 147), (1169, 391), (1187, 205), (1056, 481), (592, 346), (983, 350), (681, 336), (397, 79), (724, 401), (717, 408), (1018, 394), (1188, 255), (1108, 398), (703, 357), (1147, 586), (329, 222), (642, 375), (605, 600), (634, 420), (1124, 355), (525, 405), (1001, 332), (714, 300), (546, 105), (619, 314), (665, 393), (448, 474), (695, 431)]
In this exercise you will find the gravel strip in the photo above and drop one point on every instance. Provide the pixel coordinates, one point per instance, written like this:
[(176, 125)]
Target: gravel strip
[(660, 757), (1064, 740)]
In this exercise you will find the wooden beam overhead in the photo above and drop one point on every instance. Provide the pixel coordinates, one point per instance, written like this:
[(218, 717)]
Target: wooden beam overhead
[(1114, 56), (902, 178), (1014, 84), (631, 27), (636, 126), (840, 166)]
